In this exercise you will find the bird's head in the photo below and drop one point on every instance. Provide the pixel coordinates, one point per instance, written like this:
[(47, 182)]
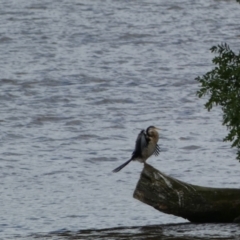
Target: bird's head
[(152, 131)]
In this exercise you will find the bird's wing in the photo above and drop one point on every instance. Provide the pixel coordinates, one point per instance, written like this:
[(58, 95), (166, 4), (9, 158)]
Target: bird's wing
[(141, 143), (157, 150)]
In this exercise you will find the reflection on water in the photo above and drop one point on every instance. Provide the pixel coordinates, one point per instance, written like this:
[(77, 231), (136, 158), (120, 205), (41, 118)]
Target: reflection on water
[(185, 231)]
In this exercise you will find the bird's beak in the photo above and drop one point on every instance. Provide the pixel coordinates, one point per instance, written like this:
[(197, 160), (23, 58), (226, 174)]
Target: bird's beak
[(157, 128)]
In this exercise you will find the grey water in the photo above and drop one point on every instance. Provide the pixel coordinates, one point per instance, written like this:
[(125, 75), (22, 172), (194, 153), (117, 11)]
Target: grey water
[(78, 80)]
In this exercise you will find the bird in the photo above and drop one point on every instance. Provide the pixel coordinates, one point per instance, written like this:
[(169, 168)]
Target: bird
[(145, 146)]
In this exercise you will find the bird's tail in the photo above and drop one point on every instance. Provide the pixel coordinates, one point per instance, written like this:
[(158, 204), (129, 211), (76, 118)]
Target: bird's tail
[(122, 166)]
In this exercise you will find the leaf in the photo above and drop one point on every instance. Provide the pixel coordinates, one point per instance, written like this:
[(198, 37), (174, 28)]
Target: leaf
[(222, 85)]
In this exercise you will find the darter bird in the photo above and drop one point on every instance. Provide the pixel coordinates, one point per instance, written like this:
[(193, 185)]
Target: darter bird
[(146, 145)]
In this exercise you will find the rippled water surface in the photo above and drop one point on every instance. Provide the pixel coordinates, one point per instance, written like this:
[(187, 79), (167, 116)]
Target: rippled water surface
[(79, 79)]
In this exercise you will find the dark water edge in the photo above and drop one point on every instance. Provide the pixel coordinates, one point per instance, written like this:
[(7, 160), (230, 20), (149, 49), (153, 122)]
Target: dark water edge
[(184, 231)]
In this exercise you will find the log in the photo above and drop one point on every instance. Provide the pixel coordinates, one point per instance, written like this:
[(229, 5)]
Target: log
[(195, 203)]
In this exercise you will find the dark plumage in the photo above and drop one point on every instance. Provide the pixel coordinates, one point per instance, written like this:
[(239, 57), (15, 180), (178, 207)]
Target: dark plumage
[(146, 145)]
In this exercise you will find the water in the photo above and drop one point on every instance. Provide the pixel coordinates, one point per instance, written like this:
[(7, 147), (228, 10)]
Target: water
[(79, 79), (180, 231)]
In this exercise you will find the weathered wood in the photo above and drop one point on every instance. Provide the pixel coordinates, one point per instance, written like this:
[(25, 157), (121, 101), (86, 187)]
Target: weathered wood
[(195, 203)]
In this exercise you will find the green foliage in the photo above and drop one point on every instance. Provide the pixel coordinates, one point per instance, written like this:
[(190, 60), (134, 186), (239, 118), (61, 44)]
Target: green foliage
[(222, 84)]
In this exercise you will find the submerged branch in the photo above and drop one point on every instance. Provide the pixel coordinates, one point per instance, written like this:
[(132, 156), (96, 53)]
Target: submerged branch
[(194, 203)]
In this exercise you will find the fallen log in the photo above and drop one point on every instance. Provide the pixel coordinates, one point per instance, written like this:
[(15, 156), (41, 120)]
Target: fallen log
[(195, 203)]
